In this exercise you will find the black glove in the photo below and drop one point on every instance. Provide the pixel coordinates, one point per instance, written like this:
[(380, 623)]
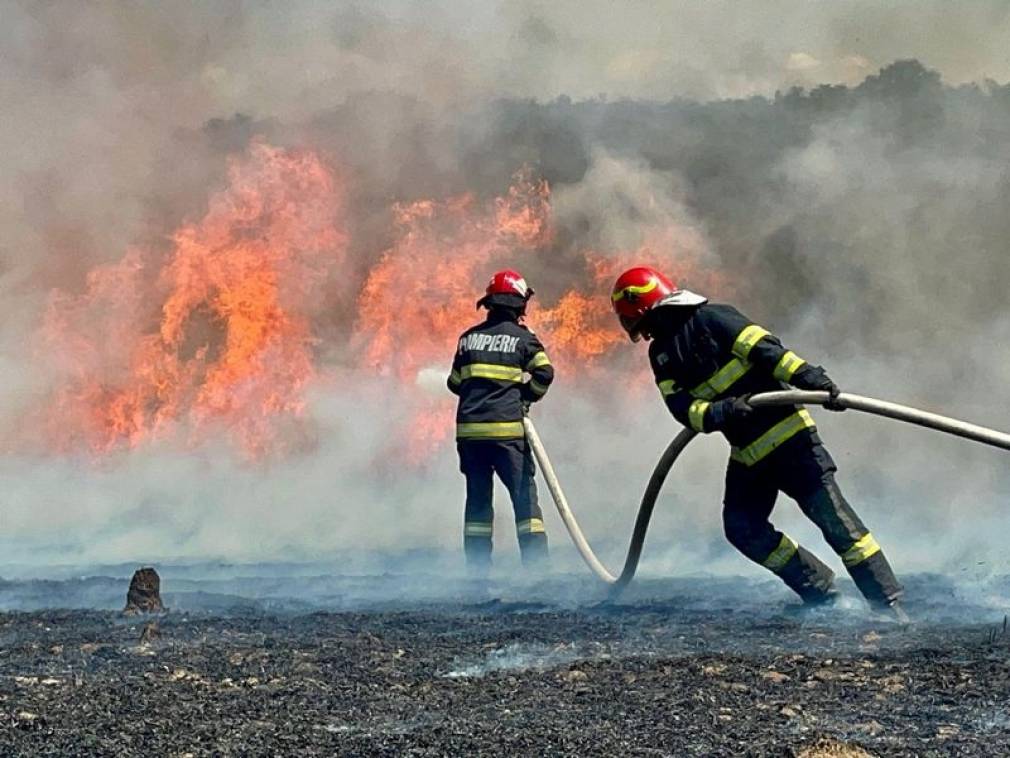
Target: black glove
[(526, 407), (723, 412), (816, 378), (527, 396)]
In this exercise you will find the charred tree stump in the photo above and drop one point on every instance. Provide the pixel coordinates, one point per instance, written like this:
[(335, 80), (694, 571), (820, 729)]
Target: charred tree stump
[(144, 595)]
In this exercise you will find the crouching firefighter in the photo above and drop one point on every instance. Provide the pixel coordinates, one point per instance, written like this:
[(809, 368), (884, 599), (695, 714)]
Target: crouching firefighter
[(488, 376), (707, 359)]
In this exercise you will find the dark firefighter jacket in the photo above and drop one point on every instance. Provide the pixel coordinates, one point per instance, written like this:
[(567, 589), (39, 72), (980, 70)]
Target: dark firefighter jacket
[(487, 374), (719, 353)]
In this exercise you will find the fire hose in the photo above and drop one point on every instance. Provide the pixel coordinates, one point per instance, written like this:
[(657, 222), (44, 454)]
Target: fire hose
[(676, 447)]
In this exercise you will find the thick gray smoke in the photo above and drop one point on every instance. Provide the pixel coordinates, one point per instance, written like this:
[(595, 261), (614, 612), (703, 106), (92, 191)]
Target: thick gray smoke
[(863, 218)]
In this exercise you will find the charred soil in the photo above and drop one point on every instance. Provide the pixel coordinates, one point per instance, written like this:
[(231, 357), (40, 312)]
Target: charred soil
[(499, 678)]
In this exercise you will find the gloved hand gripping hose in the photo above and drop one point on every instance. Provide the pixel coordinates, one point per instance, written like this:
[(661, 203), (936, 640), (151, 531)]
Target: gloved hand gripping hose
[(676, 447)]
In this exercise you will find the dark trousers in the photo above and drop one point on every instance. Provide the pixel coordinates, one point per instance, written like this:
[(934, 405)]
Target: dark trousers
[(803, 469), (512, 461)]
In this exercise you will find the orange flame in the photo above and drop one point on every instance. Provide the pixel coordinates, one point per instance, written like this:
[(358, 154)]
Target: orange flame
[(421, 295), (220, 334)]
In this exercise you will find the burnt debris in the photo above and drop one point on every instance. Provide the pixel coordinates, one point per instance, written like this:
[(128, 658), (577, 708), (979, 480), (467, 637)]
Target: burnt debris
[(144, 595), (646, 680)]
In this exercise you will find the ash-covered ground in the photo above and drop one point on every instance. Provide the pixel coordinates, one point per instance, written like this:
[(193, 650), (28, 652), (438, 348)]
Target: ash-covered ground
[(300, 660)]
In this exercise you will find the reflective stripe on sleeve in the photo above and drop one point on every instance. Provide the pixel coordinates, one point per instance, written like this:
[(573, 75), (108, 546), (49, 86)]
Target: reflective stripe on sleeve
[(538, 360), (788, 365), (537, 388), (455, 378), (667, 387), (478, 529), (530, 526), (779, 557), (491, 371), (778, 434), (721, 380), (861, 549), (489, 430), (747, 339), (696, 414)]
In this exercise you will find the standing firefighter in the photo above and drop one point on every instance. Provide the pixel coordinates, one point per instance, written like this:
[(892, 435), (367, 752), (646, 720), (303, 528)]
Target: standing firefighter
[(487, 375), (708, 359)]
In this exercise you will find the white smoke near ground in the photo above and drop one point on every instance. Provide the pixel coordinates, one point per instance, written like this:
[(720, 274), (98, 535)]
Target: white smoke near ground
[(865, 224), (518, 657)]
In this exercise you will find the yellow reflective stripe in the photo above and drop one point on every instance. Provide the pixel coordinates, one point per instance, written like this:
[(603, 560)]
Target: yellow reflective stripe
[(696, 414), (454, 377), (530, 526), (478, 529), (667, 387), (767, 442), (862, 549), (747, 339), (636, 289), (538, 360), (721, 380), (788, 365), (537, 388), (492, 371), (496, 429), (779, 557)]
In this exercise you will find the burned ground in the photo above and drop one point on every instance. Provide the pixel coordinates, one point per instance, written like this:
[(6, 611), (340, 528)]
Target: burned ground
[(676, 669)]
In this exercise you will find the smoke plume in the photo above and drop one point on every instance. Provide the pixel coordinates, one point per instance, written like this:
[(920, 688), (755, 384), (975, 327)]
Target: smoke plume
[(802, 164)]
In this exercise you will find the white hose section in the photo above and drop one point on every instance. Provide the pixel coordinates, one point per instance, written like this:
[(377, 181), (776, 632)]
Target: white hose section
[(890, 410), (785, 397), (562, 503)]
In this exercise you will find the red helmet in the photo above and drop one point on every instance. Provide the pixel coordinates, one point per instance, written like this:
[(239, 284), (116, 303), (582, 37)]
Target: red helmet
[(506, 288), (638, 290)]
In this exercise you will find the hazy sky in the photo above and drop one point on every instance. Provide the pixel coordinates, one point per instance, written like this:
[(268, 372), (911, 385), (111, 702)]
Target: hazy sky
[(582, 48), (720, 48), (302, 56)]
